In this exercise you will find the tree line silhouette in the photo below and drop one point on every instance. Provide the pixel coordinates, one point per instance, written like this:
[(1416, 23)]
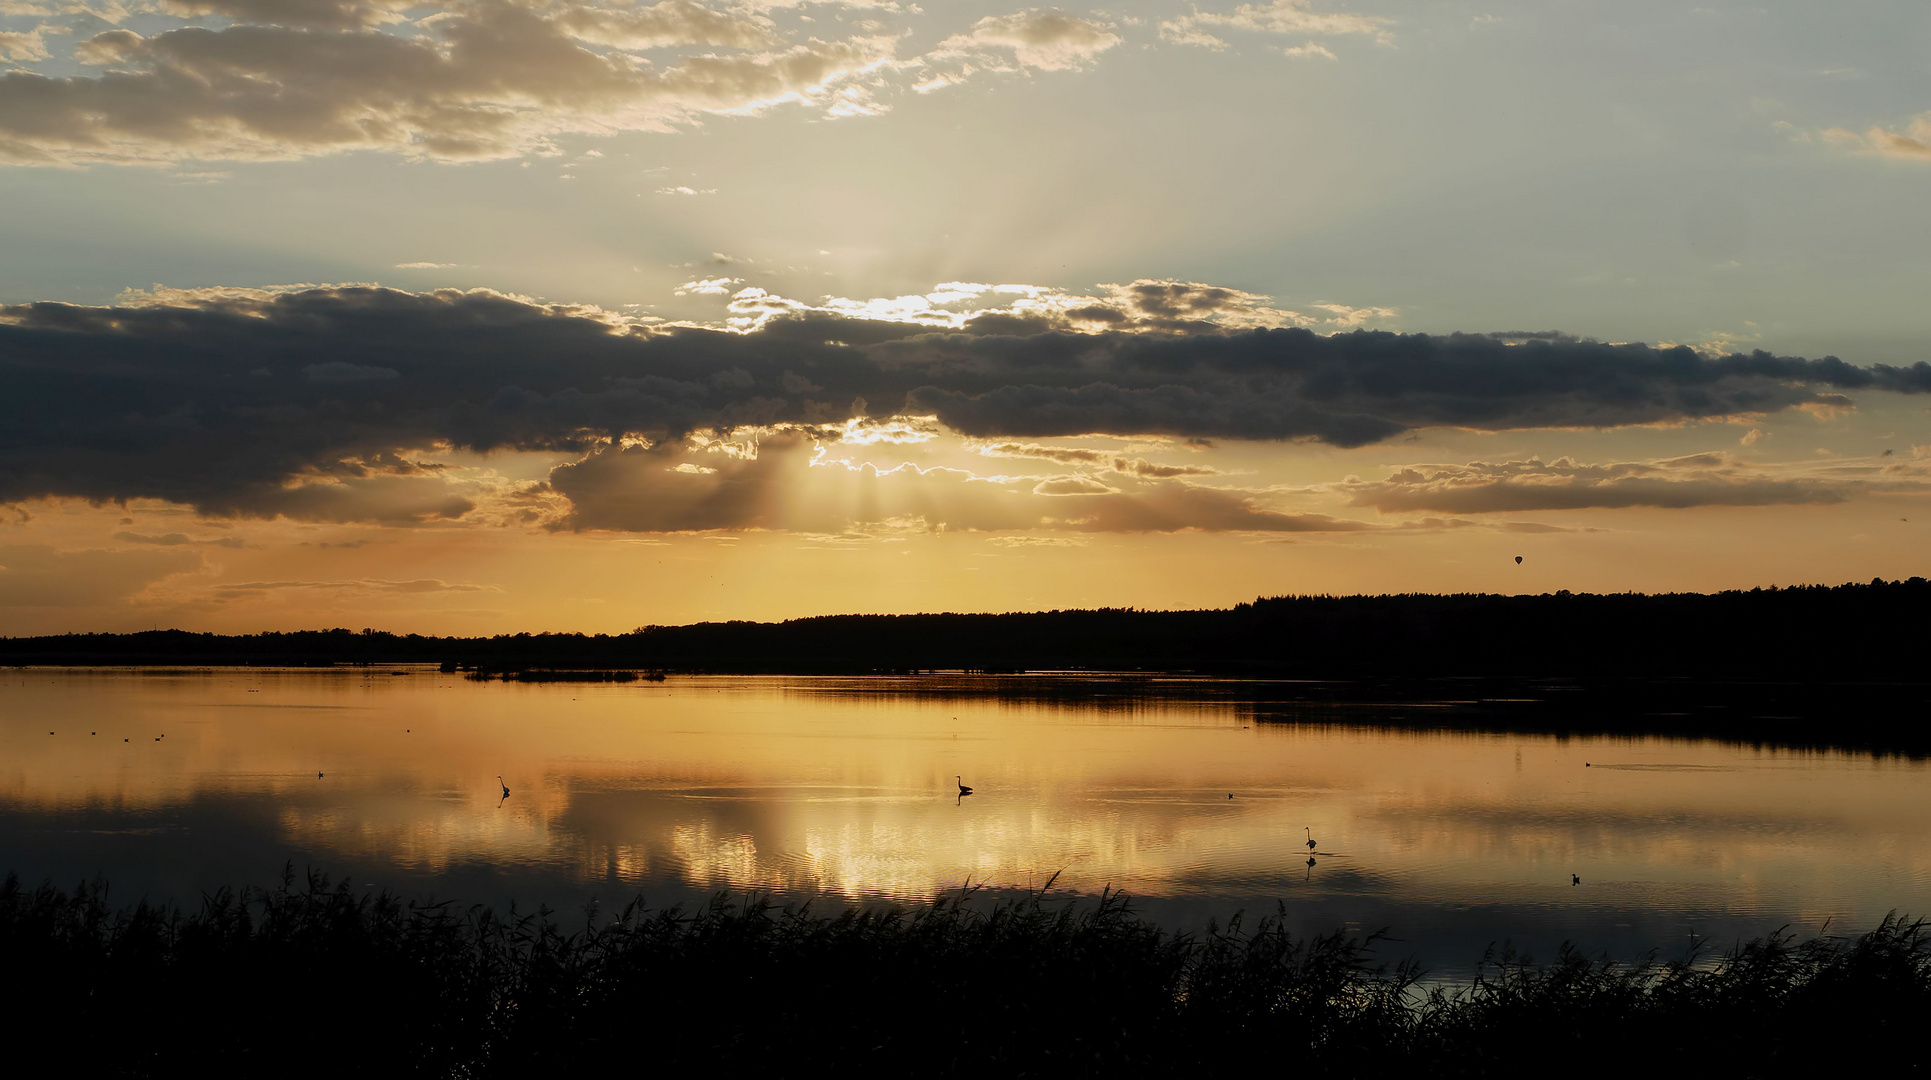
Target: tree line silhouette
[(1854, 633)]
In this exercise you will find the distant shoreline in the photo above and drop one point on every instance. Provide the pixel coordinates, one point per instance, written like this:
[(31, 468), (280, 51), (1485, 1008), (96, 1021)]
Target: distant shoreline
[(1817, 667), (1845, 633)]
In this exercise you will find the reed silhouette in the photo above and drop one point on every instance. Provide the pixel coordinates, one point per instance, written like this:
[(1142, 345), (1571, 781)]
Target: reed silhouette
[(1034, 986)]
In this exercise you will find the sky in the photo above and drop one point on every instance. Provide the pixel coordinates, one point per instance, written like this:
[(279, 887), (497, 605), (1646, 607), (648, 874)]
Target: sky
[(481, 317)]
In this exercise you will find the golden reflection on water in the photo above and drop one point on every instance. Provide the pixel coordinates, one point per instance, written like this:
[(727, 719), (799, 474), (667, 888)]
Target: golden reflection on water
[(848, 787)]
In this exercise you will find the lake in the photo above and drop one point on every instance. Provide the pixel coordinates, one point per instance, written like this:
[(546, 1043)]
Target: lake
[(171, 782)]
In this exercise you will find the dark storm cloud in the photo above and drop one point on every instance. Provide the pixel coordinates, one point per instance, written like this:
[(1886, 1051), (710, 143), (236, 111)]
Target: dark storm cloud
[(245, 403)]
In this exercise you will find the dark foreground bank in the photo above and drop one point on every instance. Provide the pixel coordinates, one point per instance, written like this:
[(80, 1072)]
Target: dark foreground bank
[(312, 979)]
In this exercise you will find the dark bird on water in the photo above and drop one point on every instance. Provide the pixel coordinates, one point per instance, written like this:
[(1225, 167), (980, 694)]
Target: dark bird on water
[(1310, 837), (318, 776), (1518, 560), (1574, 880), (963, 789), (506, 787)]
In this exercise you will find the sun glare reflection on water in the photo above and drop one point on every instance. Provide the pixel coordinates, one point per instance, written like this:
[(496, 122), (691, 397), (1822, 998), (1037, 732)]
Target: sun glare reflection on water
[(1453, 840)]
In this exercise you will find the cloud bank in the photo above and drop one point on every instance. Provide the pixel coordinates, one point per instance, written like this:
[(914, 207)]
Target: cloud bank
[(326, 404)]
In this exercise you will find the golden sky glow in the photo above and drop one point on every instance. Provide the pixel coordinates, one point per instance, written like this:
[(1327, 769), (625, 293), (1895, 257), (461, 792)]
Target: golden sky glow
[(659, 312)]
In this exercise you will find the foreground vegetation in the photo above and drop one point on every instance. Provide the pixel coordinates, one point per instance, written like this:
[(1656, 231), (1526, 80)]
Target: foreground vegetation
[(310, 978)]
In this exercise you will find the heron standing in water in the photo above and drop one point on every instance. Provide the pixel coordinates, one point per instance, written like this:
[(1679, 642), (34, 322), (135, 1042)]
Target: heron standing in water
[(1310, 837), (963, 789), (506, 787)]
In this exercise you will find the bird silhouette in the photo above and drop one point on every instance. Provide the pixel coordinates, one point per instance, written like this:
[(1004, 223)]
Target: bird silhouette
[(1310, 837), (318, 776), (506, 787), (1518, 560), (963, 789), (1574, 880)]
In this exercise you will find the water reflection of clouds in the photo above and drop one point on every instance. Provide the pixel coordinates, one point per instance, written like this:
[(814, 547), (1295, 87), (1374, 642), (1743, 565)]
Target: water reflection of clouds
[(685, 788)]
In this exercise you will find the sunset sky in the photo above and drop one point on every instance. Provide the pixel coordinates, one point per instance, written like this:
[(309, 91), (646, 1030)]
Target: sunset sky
[(474, 317)]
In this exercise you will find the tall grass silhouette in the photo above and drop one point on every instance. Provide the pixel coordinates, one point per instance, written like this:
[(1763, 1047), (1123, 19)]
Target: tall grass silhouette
[(312, 976)]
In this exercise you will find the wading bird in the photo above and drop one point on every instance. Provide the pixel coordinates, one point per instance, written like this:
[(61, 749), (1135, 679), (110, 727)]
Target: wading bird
[(1574, 880), (963, 789), (506, 787), (1310, 837)]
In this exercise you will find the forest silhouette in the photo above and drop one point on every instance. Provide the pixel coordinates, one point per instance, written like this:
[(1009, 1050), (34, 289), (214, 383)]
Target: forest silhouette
[(1853, 632), (1809, 666)]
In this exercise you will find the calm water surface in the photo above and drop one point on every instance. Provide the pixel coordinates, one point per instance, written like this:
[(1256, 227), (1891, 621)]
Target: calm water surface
[(172, 783)]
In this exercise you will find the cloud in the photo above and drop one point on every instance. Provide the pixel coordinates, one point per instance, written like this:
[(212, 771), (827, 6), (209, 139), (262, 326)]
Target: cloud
[(239, 402), (778, 479), (1076, 484), (709, 286), (425, 266), (337, 371), (1913, 143), (1064, 455), (178, 539), (248, 590), (1278, 17), (1147, 470), (470, 79), (1481, 487), (481, 79), (1143, 306), (165, 540), (27, 45), (36, 575), (1038, 541), (1173, 506), (313, 14), (1046, 40)]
